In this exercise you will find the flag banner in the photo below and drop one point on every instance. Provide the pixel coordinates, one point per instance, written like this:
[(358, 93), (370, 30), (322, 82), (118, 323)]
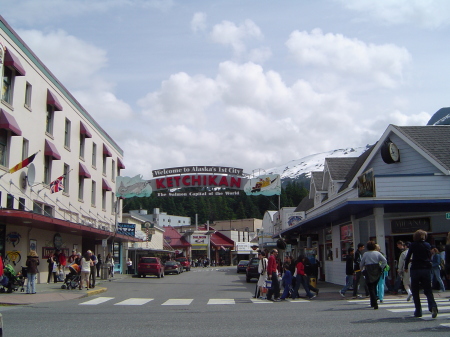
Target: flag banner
[(57, 185), (23, 163)]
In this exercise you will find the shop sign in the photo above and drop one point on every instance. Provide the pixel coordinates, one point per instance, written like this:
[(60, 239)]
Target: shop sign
[(366, 185), (402, 226), (243, 246), (127, 229), (199, 240), (295, 217)]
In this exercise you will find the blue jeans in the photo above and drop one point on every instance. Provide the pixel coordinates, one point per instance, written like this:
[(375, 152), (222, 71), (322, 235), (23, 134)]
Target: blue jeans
[(275, 289), (436, 272), (348, 283), (421, 278), (31, 285), (299, 279)]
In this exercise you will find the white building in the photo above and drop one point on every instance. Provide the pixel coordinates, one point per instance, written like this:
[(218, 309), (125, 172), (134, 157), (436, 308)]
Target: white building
[(38, 115)]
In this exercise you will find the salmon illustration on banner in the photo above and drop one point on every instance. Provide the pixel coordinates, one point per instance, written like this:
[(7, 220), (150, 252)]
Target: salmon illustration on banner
[(128, 187)]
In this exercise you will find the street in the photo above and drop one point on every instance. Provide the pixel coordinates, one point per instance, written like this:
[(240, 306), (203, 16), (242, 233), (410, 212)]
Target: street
[(215, 302)]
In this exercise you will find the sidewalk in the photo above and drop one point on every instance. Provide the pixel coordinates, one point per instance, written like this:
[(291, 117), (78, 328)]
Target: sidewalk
[(52, 292)]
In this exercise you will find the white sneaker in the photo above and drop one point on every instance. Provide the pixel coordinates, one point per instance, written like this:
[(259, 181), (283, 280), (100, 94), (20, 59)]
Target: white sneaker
[(408, 298), (341, 294)]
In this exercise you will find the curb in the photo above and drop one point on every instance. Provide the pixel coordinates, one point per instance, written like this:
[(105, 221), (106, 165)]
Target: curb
[(95, 292)]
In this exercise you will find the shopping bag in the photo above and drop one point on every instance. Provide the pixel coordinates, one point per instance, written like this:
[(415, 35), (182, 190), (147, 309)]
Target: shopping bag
[(269, 284)]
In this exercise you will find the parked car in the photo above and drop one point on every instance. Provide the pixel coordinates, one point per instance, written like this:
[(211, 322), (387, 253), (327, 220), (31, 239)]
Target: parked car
[(184, 262), (252, 269), (172, 267), (150, 266), (242, 266)]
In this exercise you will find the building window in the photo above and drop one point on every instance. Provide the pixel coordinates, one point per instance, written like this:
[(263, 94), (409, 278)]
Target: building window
[(82, 144), (104, 165), (47, 169), (49, 119), (38, 207), (346, 239), (80, 187), (104, 200), (113, 171), (25, 145), (48, 210), (113, 208), (28, 89), (93, 194), (4, 147), (66, 178), (7, 85), (94, 155), (9, 201), (67, 134), (41, 208), (22, 204)]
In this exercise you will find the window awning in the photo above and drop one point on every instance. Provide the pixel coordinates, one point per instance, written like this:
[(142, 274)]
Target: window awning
[(53, 101), (83, 171), (84, 130), (105, 185), (106, 151), (50, 150), (120, 165), (8, 122), (12, 61)]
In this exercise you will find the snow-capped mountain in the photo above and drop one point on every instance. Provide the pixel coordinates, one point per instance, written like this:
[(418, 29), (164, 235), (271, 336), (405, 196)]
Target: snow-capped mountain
[(300, 169)]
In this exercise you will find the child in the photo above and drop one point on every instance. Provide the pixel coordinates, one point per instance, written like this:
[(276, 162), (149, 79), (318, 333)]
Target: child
[(286, 281)]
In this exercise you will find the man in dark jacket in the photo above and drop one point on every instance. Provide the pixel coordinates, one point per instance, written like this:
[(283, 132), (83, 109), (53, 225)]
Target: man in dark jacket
[(349, 271), (357, 270)]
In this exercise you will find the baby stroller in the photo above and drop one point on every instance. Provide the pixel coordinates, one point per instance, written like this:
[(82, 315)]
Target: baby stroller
[(72, 279), (12, 281)]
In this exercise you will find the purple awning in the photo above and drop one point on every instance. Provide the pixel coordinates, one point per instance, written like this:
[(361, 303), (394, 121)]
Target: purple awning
[(84, 130), (120, 165), (8, 122), (106, 151), (105, 185), (82, 171), (12, 61), (50, 150), (53, 101)]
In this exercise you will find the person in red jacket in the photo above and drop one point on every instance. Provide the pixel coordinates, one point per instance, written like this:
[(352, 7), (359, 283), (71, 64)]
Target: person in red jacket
[(272, 274)]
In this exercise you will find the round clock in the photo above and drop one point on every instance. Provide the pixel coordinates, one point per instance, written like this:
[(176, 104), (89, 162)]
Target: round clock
[(390, 153)]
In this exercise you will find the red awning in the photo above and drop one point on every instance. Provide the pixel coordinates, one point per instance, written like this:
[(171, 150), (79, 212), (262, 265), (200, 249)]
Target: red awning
[(120, 165), (106, 151), (50, 150), (220, 240), (105, 185), (53, 101), (8, 122), (12, 61), (84, 130), (82, 171)]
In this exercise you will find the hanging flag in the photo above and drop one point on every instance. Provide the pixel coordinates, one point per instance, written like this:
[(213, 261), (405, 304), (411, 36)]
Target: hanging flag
[(57, 185), (23, 163)]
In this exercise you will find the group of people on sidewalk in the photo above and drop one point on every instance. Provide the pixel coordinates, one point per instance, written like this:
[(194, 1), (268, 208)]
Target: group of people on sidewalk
[(289, 275), (418, 264)]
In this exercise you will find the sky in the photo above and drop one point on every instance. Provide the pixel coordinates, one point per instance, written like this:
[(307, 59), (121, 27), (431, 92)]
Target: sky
[(242, 83)]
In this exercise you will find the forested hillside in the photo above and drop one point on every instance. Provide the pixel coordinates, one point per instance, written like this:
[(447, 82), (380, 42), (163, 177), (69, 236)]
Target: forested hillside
[(220, 208)]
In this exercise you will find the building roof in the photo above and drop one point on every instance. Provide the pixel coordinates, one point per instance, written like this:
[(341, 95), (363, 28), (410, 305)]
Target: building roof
[(305, 204), (356, 166), (339, 167), (433, 139), (174, 239), (317, 179), (220, 240)]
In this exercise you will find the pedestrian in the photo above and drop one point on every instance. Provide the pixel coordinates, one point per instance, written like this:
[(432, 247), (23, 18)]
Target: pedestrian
[(272, 274), (398, 280), (262, 270), (99, 264), (62, 260), (301, 279), (447, 257), (421, 272), (349, 271), (436, 268), (78, 259), (384, 273), (32, 270), (72, 257), (129, 266), (373, 263), (403, 271), (309, 272), (52, 269), (357, 278), (286, 281), (93, 269), (85, 270)]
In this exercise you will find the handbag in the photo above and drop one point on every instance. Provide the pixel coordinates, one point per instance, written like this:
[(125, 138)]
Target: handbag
[(269, 284)]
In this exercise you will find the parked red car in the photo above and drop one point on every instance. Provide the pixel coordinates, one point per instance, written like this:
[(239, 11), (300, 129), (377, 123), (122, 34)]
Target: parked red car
[(184, 262), (150, 266)]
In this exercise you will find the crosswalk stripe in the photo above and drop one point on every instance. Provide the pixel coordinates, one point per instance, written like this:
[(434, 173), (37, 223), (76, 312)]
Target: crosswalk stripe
[(429, 318), (98, 300), (413, 309), (221, 301), (446, 325), (258, 301), (135, 301), (178, 301)]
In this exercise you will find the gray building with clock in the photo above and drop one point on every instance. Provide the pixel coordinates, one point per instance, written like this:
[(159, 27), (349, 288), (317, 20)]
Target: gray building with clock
[(399, 185)]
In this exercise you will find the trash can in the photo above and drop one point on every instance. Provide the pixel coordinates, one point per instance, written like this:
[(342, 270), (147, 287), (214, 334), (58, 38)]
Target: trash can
[(313, 282), (105, 271)]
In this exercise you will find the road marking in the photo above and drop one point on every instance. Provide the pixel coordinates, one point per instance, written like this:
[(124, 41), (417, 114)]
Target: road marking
[(98, 300), (413, 309), (429, 318), (258, 301), (135, 301), (221, 301), (446, 325), (178, 301)]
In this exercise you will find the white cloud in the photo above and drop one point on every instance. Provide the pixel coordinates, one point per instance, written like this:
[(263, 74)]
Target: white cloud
[(384, 65), (429, 14), (198, 22)]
